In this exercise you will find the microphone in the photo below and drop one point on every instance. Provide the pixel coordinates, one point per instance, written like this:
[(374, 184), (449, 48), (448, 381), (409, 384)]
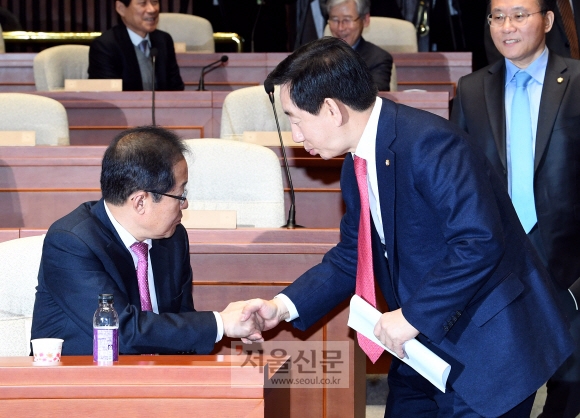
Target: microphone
[(153, 55), (201, 85), (291, 222)]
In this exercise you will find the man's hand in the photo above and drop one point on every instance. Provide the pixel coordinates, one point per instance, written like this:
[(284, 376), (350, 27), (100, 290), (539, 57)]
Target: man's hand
[(270, 312), (238, 325), (393, 331)]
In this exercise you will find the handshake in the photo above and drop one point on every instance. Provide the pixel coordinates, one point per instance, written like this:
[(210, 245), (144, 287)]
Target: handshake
[(248, 319)]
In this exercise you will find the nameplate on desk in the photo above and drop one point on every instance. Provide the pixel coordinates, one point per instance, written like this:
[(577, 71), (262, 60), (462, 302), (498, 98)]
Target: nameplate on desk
[(17, 138), (269, 138), (180, 47), (93, 85), (209, 219)]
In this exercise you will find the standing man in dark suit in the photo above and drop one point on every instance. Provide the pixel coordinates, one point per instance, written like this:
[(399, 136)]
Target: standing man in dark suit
[(563, 39), (546, 164), (428, 221), (95, 249), (346, 20), (124, 51)]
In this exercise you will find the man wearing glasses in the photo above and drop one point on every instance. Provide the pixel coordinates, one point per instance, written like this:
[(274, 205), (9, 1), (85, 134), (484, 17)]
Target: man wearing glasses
[(130, 244), (524, 112), (346, 20)]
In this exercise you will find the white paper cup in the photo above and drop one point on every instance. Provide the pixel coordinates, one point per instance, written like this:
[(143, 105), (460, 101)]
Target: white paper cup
[(46, 351)]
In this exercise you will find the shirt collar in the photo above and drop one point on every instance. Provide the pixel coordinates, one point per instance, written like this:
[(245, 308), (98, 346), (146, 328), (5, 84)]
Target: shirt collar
[(537, 69), (125, 235), (366, 146), (136, 39), (356, 43)]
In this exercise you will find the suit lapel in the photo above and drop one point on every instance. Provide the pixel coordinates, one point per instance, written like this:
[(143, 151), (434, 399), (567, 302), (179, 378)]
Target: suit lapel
[(118, 253), (555, 83), (160, 265), (129, 52), (385, 162), (494, 88)]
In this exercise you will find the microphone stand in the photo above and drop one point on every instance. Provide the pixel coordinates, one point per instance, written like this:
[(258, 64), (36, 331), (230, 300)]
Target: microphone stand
[(291, 222)]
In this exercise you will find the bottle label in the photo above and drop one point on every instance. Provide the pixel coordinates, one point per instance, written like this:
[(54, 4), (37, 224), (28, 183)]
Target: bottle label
[(105, 345)]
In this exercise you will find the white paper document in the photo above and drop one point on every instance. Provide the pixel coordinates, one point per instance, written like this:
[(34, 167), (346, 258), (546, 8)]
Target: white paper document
[(363, 318)]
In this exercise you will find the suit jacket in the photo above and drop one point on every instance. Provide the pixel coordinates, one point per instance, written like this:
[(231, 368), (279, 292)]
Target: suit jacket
[(379, 61), (83, 256), (459, 263), (556, 39), (112, 55), (480, 110)]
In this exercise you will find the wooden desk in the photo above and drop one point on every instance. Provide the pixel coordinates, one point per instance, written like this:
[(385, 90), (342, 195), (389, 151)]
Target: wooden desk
[(248, 263), (434, 71), (96, 117), (144, 386)]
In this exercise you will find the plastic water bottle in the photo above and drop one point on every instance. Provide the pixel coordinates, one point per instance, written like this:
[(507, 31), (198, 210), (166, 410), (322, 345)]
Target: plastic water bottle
[(105, 331)]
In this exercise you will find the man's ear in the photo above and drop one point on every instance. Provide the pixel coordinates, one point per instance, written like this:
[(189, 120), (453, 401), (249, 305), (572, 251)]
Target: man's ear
[(548, 21), (140, 199), (366, 20), (120, 8), (335, 111)]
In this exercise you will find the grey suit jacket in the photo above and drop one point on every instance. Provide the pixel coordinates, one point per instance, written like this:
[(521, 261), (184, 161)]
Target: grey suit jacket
[(480, 110)]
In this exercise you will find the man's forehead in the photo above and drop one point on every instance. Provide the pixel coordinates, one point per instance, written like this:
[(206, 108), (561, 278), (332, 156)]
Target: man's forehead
[(513, 5)]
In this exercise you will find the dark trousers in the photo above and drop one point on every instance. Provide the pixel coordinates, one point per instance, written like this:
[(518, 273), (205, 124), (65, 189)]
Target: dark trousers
[(411, 395)]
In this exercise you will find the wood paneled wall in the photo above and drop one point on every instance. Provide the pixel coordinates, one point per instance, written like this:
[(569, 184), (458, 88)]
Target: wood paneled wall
[(76, 15)]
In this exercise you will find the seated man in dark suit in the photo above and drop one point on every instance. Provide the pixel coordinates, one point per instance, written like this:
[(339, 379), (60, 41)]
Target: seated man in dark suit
[(346, 20), (93, 250), (124, 51)]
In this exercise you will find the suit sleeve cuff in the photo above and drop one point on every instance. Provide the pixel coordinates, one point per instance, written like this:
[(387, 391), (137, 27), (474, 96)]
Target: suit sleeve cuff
[(220, 327), (292, 311)]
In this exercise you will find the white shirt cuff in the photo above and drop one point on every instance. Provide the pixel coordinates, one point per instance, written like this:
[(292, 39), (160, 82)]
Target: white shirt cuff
[(292, 311), (220, 326), (572, 294)]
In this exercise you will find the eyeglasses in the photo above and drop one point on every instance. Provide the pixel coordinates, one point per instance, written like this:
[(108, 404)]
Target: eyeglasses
[(347, 21), (517, 19), (181, 198)]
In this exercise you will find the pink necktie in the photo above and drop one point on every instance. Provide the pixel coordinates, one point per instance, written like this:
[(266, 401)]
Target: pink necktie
[(365, 279), (141, 249)]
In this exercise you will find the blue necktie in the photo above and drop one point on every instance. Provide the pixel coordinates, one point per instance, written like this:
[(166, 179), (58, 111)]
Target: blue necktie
[(144, 47), (522, 155)]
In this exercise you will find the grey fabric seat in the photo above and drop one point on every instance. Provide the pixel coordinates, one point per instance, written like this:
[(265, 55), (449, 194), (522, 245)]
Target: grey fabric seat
[(232, 175), (19, 263), (195, 31), (249, 109), (29, 112), (53, 65)]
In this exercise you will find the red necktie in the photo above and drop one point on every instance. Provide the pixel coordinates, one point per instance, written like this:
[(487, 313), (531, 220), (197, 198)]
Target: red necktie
[(141, 249), (569, 27), (365, 278)]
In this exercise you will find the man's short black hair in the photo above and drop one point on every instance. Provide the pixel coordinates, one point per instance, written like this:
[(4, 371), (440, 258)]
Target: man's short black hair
[(125, 2), (545, 5), (326, 68), (140, 158)]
